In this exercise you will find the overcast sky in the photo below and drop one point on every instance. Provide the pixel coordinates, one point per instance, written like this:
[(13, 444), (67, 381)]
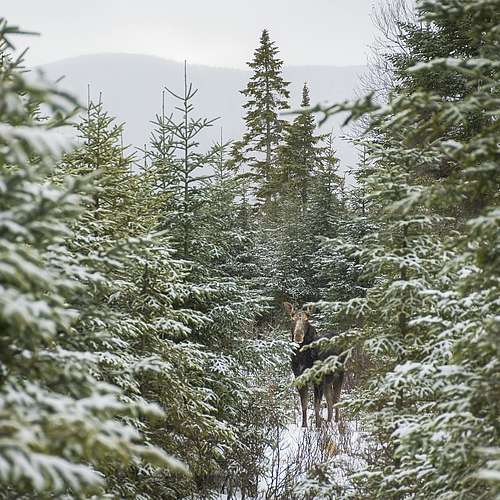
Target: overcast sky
[(213, 32)]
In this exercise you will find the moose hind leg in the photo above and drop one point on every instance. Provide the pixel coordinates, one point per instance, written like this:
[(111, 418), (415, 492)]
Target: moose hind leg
[(303, 404), (337, 388), (330, 400), (318, 396)]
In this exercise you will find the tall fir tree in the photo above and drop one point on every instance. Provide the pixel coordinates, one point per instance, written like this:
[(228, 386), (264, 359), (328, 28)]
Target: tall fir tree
[(299, 154), (176, 146), (62, 422), (226, 302), (430, 318), (267, 95)]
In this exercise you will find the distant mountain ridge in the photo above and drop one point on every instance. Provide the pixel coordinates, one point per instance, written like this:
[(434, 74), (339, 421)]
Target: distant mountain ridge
[(131, 85)]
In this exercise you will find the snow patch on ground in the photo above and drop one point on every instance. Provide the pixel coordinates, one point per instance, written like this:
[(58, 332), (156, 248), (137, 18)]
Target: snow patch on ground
[(294, 451)]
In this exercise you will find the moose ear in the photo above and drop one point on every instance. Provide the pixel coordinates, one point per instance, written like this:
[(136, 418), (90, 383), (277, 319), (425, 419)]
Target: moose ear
[(310, 309), (288, 308)]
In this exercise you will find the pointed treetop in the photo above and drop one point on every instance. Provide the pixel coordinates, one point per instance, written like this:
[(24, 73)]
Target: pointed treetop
[(265, 55), (267, 95), (306, 100)]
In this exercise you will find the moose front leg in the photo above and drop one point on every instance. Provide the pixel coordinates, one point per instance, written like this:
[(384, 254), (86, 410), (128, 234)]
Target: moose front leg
[(303, 404), (318, 396)]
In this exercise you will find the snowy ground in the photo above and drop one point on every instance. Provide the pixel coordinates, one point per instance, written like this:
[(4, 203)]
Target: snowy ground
[(295, 450)]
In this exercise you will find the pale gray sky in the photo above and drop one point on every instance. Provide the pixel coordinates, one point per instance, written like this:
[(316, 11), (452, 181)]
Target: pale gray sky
[(213, 32)]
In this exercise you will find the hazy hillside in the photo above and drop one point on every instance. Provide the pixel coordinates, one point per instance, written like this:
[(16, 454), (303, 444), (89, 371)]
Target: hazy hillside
[(132, 84)]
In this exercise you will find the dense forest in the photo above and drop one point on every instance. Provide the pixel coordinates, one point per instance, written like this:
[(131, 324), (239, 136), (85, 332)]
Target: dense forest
[(144, 349)]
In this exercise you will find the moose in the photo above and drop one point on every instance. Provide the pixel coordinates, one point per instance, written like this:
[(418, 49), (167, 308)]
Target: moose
[(303, 334)]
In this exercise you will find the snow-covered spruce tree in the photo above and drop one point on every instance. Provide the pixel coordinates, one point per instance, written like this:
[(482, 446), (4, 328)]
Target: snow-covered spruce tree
[(430, 320), (219, 269), (182, 176), (347, 223), (296, 221), (59, 419), (300, 153), (144, 313), (327, 200), (284, 249), (327, 187), (218, 223), (155, 166), (339, 269), (267, 95)]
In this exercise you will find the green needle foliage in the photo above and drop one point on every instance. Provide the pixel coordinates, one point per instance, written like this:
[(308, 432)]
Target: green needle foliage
[(143, 353), (226, 300), (62, 422), (300, 154), (267, 95), (429, 322), (176, 146)]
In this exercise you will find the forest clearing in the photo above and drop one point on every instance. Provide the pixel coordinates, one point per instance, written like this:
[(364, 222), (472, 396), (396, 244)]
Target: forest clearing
[(258, 319)]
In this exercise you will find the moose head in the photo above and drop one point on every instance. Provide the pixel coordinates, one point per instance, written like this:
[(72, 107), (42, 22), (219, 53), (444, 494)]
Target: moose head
[(300, 322)]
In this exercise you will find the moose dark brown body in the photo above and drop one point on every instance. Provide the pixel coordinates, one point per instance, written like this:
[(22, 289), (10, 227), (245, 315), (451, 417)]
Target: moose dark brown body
[(303, 333)]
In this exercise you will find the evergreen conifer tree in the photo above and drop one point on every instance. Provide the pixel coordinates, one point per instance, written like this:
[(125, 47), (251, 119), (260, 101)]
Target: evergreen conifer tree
[(225, 300), (299, 154), (156, 166), (222, 238), (180, 178), (428, 319), (140, 309), (267, 95), (62, 423)]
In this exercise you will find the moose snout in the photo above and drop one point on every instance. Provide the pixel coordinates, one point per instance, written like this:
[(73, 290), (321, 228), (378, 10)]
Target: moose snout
[(298, 336)]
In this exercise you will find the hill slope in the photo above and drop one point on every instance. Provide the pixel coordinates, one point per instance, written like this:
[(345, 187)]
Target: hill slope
[(131, 85)]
